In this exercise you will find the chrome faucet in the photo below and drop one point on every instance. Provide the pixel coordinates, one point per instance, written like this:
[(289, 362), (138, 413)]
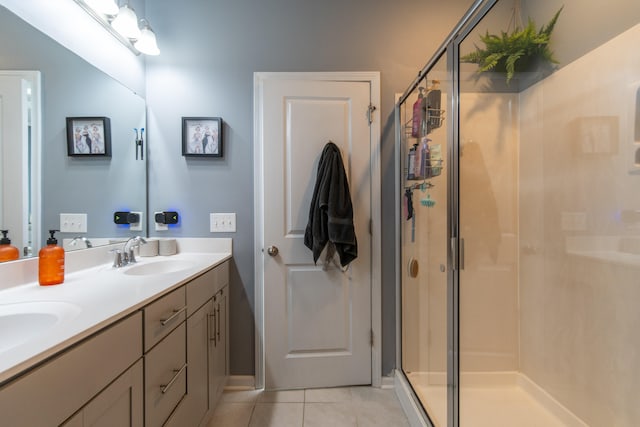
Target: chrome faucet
[(128, 255), (86, 241)]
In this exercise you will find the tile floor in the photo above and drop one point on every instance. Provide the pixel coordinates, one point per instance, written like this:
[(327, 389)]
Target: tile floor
[(329, 407)]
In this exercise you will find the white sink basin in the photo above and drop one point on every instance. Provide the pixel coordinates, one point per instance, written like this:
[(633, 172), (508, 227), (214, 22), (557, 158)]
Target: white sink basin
[(20, 322), (158, 267)]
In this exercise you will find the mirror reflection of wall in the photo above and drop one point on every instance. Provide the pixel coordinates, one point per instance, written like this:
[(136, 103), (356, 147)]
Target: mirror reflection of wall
[(96, 186)]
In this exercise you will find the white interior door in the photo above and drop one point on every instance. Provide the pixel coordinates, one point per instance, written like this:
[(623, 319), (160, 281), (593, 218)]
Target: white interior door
[(14, 169), (317, 322)]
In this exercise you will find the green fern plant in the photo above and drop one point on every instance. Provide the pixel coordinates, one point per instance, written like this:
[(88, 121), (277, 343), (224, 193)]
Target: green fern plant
[(516, 51)]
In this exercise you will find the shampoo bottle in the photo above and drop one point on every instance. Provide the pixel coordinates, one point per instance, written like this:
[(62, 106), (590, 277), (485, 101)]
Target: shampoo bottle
[(418, 115), (7, 252), (51, 262), (411, 163)]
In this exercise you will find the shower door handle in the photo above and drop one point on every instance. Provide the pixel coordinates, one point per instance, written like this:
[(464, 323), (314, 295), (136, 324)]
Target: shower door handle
[(457, 250)]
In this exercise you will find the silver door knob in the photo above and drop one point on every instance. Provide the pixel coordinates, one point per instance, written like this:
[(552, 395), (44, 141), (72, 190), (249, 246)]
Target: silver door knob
[(272, 250)]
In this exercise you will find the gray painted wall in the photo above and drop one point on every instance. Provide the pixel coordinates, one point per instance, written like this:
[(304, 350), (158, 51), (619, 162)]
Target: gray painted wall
[(210, 51)]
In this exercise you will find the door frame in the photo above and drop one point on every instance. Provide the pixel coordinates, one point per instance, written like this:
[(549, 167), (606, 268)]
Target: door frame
[(35, 80), (373, 78)]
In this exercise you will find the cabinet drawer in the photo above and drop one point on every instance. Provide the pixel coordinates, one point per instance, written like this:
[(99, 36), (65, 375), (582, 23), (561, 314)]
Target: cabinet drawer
[(165, 373), (49, 394), (162, 316), (222, 276), (200, 290)]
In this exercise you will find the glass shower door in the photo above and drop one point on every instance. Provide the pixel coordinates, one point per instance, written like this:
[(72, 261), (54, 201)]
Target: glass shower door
[(424, 241), (488, 141)]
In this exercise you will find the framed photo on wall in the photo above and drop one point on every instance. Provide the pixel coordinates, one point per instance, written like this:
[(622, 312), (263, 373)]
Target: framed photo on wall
[(202, 137), (88, 136)]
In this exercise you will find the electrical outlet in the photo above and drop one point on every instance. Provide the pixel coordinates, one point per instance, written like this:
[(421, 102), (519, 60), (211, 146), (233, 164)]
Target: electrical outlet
[(137, 226), (222, 222), (159, 226), (73, 223)]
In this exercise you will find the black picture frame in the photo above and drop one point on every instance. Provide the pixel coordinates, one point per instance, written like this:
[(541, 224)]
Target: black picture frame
[(88, 137), (202, 137)]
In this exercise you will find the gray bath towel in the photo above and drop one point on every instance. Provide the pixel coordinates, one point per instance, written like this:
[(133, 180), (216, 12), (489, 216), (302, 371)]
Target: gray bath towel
[(331, 211)]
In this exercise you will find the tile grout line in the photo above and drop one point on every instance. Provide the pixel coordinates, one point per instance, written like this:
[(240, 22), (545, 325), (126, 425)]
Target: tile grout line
[(253, 409)]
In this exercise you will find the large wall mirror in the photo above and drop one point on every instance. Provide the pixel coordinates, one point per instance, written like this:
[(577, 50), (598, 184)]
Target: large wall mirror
[(94, 185)]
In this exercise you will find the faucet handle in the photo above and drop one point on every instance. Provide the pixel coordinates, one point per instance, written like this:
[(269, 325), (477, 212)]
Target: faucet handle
[(131, 256), (117, 259)]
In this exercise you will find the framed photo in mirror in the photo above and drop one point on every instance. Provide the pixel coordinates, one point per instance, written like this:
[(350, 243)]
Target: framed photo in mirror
[(202, 137), (88, 136)]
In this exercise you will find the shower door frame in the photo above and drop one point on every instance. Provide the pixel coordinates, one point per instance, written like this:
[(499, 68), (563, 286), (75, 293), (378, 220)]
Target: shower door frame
[(455, 256)]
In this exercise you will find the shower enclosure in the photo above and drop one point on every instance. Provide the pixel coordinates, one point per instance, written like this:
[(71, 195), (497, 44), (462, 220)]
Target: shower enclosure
[(519, 220)]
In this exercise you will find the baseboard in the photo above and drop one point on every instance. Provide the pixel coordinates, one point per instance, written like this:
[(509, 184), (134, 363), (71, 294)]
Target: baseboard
[(241, 382), (388, 382), (408, 402)]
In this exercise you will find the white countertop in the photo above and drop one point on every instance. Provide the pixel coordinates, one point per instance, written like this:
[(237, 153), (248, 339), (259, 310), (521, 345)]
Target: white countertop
[(96, 297)]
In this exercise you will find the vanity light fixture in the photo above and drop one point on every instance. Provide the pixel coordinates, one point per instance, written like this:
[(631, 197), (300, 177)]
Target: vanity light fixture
[(126, 22), (122, 22)]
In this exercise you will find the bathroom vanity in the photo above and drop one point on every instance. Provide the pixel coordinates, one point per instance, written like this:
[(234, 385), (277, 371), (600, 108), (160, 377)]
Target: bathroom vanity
[(145, 345)]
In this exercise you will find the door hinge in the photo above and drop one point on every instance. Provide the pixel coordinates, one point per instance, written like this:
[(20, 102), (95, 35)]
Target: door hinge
[(370, 111), (371, 227), (371, 338)]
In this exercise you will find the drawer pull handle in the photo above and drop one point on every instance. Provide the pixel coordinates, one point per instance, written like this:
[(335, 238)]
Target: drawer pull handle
[(165, 388), (219, 321), (209, 317), (175, 314)]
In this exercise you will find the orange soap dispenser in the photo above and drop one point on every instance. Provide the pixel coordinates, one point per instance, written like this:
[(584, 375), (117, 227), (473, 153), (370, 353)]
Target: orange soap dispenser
[(51, 262), (7, 252)]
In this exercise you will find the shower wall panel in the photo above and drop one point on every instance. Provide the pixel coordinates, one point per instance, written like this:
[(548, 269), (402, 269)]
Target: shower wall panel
[(580, 240)]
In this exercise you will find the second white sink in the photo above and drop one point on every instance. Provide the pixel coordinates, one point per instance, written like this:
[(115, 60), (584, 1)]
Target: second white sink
[(158, 267)]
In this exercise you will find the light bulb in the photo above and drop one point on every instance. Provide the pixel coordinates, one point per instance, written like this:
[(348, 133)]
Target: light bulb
[(147, 42), (126, 23)]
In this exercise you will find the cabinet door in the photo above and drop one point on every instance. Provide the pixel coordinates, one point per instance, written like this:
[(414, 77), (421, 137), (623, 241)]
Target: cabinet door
[(194, 406), (218, 377), (120, 404)]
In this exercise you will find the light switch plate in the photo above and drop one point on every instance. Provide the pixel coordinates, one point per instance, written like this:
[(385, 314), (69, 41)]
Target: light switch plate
[(222, 222), (137, 226), (73, 223)]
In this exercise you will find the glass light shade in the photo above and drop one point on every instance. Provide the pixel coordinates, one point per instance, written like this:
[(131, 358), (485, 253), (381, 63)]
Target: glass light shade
[(126, 23), (105, 7), (147, 42)]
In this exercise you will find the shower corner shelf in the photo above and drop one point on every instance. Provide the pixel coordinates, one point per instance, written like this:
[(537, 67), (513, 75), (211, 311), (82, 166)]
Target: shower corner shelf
[(434, 119)]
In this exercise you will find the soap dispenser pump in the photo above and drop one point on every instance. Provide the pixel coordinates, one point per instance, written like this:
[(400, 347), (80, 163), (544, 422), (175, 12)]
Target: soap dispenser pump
[(7, 252), (51, 262)]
